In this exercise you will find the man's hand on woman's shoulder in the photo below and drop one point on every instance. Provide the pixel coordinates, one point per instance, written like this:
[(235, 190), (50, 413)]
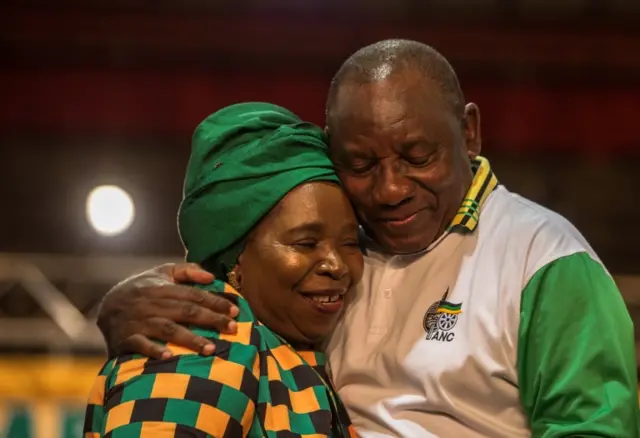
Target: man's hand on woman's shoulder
[(158, 304)]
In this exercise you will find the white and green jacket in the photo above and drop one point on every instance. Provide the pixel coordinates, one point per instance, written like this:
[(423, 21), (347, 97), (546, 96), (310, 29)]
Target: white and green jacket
[(508, 326)]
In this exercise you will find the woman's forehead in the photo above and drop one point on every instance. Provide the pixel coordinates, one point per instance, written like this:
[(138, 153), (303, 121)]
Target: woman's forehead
[(317, 204)]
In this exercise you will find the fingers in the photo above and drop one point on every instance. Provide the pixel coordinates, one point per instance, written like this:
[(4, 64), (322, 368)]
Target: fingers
[(169, 331), (203, 317), (190, 273), (180, 304), (141, 344), (212, 302), (189, 313), (193, 298)]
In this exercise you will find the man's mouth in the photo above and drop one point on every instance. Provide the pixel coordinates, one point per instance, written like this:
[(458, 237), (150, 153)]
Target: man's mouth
[(399, 220), (403, 221)]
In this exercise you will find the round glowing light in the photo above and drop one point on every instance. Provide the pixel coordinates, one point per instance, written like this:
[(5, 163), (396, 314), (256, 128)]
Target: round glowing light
[(110, 210)]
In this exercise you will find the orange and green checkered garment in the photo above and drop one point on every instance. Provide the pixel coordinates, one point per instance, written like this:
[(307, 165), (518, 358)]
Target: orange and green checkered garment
[(253, 386)]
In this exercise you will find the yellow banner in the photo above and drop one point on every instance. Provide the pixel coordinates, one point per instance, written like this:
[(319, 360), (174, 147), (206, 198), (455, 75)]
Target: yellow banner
[(45, 397), (48, 377)]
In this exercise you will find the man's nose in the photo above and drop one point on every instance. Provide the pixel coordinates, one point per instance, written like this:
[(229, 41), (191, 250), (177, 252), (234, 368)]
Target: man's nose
[(391, 187)]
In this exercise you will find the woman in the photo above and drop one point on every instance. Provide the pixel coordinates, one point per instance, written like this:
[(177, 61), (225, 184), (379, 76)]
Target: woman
[(262, 209)]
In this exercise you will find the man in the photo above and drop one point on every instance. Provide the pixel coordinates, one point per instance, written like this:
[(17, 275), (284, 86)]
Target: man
[(480, 313)]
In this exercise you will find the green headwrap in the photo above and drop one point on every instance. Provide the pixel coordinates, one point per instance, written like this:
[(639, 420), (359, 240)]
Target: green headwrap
[(245, 158)]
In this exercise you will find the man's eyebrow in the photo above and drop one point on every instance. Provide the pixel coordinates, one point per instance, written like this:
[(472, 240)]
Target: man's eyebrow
[(352, 152), (408, 145)]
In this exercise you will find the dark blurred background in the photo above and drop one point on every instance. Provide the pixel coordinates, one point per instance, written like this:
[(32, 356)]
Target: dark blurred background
[(108, 93)]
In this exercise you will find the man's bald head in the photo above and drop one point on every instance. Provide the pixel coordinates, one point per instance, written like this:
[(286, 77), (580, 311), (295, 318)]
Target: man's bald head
[(401, 138), (383, 59)]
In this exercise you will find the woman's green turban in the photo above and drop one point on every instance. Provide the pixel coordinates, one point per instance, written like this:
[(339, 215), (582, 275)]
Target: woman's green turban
[(245, 158)]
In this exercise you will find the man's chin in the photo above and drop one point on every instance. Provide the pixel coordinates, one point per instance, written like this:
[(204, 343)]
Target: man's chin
[(404, 245), (395, 243)]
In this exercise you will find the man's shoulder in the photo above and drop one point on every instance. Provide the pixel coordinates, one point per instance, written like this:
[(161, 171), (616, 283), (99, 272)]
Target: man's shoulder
[(514, 215), (517, 225)]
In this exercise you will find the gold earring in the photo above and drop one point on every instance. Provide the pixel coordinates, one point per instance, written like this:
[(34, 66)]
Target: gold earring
[(232, 279)]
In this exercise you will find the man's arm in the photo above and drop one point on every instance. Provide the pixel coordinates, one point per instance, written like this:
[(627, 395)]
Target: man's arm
[(185, 396), (576, 353), (153, 305)]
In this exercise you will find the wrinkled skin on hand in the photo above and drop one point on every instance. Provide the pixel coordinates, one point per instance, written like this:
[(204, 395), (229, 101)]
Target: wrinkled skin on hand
[(158, 305)]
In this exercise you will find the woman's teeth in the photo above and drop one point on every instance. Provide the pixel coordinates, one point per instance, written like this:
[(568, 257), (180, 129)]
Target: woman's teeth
[(326, 298)]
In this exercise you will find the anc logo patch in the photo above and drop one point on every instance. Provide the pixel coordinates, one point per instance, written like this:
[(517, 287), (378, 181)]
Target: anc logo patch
[(441, 318)]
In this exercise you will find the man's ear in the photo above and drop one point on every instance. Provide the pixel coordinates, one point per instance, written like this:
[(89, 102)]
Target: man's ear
[(472, 133)]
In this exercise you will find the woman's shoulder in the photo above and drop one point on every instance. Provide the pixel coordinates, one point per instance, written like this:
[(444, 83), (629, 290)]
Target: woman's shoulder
[(209, 394), (234, 361), (240, 348), (248, 329)]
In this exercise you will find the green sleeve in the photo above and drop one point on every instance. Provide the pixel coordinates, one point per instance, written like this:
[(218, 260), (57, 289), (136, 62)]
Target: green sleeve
[(577, 366)]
